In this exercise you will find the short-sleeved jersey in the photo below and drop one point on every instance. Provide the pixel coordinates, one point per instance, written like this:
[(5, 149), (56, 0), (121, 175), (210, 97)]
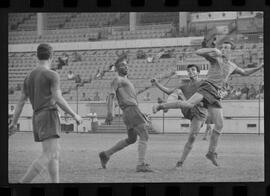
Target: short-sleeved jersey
[(220, 69), (37, 86), (189, 88), (125, 92)]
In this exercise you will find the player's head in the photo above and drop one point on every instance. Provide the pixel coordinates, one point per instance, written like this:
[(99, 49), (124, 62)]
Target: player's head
[(44, 52), (193, 71), (226, 48), (121, 65), (12, 107)]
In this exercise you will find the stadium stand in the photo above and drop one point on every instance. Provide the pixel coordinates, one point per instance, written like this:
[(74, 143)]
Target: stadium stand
[(155, 62)]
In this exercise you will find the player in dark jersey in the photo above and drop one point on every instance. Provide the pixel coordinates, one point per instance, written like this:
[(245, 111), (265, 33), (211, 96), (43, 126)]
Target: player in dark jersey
[(211, 90), (135, 121), (197, 115), (42, 87)]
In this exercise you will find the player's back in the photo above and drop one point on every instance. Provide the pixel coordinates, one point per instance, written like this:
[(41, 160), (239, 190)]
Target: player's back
[(37, 85), (125, 92)]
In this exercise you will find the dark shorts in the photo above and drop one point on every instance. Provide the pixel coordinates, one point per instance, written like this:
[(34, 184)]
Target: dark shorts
[(210, 94), (132, 117), (197, 112), (46, 124)]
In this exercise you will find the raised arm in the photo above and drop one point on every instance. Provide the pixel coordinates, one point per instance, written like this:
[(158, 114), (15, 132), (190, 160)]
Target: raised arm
[(209, 53), (164, 89), (60, 101), (247, 71)]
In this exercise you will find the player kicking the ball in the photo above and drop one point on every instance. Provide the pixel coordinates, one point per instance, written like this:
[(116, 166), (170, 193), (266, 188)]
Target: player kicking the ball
[(210, 91), (134, 119), (197, 115)]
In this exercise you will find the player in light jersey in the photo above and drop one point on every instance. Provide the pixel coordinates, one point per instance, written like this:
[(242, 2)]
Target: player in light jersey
[(197, 115), (42, 87), (135, 121), (210, 91)]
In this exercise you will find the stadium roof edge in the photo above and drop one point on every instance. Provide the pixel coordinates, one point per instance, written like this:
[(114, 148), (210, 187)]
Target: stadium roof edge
[(113, 44)]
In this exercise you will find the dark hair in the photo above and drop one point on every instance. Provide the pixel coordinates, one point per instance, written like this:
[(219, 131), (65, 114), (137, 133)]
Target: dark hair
[(44, 52), (120, 60), (231, 43), (193, 65)]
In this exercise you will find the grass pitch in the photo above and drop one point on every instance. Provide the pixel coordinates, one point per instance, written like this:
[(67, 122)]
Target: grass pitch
[(241, 159)]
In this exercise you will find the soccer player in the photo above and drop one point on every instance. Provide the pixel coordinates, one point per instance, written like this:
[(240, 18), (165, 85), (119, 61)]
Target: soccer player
[(210, 91), (135, 121), (42, 87), (197, 115)]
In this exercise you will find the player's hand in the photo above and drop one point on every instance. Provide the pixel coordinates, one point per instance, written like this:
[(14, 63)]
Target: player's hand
[(78, 119), (12, 128)]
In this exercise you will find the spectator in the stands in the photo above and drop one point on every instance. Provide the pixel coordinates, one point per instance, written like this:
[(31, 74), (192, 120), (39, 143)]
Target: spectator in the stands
[(96, 97), (84, 98), (77, 57), (260, 93), (70, 75), (252, 92), (18, 87), (238, 93), (141, 54), (78, 79), (11, 112), (62, 61), (11, 90), (147, 97), (244, 92)]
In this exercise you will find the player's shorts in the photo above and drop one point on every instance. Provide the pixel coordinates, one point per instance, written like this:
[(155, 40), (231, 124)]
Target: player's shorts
[(132, 117), (198, 112), (210, 93), (46, 124)]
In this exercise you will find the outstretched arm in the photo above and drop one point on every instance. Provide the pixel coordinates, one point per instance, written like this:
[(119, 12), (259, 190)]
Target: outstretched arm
[(209, 54), (247, 71), (164, 89)]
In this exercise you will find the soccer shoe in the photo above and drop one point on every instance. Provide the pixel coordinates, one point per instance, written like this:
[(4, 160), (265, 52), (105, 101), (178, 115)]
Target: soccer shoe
[(204, 138), (155, 109), (212, 156), (103, 159), (179, 165), (144, 168)]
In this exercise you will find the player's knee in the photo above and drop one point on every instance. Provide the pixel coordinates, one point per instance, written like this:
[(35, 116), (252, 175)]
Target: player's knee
[(144, 135), (131, 139), (52, 155), (192, 138), (219, 125)]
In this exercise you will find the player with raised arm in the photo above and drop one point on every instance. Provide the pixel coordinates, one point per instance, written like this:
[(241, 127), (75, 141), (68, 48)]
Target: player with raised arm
[(210, 91), (197, 115), (134, 119), (42, 87)]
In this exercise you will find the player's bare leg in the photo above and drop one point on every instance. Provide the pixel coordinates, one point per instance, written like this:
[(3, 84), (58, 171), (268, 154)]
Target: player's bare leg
[(142, 166), (217, 117), (207, 131), (194, 130), (190, 103), (104, 156), (53, 165)]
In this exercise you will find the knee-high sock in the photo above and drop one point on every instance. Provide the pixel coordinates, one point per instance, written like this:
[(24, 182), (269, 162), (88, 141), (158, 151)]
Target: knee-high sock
[(142, 147), (118, 146), (53, 169), (213, 141), (186, 151), (34, 169)]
